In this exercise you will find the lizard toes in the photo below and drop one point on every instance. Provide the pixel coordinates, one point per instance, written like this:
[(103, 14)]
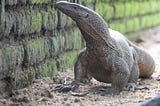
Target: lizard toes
[(130, 87), (64, 88)]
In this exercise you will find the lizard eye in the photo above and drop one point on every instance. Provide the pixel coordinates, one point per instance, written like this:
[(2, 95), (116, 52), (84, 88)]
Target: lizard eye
[(75, 7), (86, 16)]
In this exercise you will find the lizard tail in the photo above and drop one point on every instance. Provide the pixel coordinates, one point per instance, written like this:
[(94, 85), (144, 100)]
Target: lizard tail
[(145, 61)]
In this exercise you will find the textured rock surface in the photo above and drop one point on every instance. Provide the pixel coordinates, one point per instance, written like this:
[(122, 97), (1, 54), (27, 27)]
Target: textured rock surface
[(34, 42)]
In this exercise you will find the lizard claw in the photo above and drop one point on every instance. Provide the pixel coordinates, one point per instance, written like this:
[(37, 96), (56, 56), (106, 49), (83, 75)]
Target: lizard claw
[(65, 87), (130, 87)]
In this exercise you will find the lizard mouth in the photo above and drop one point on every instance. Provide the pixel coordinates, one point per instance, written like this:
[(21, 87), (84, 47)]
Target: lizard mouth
[(59, 6), (64, 8)]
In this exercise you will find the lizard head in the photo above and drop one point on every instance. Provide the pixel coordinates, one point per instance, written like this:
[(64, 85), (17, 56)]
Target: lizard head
[(91, 24)]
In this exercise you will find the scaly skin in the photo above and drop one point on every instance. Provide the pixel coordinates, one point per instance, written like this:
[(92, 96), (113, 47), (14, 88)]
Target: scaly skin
[(108, 57)]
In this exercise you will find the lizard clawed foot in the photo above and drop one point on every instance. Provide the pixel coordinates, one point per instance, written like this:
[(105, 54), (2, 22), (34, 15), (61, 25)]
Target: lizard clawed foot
[(130, 87), (65, 87)]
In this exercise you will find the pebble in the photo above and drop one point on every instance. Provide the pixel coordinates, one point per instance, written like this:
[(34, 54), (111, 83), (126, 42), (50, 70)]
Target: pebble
[(76, 100)]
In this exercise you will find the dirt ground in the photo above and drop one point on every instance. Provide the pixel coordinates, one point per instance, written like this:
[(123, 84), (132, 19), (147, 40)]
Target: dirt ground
[(41, 93)]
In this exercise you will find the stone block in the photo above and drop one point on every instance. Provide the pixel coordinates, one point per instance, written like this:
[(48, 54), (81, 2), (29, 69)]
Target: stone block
[(47, 69), (10, 58), (22, 77), (67, 60), (36, 51)]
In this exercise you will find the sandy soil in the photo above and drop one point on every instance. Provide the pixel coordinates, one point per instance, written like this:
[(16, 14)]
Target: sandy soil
[(41, 93)]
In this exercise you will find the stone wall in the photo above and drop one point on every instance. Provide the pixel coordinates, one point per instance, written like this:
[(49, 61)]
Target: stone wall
[(34, 41), (129, 16), (37, 41)]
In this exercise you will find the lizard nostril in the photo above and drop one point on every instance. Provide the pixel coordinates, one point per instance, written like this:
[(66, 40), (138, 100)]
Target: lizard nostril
[(75, 7)]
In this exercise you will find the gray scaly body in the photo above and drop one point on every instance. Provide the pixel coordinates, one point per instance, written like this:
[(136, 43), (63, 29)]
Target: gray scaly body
[(108, 57)]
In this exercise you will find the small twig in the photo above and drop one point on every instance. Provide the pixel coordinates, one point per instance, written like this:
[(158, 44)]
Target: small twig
[(79, 93)]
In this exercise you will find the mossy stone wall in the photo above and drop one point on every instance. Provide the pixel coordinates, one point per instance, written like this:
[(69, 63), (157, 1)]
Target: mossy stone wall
[(34, 41), (128, 16)]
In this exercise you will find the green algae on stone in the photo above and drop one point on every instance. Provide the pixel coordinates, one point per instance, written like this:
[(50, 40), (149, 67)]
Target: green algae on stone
[(68, 40), (105, 10), (36, 22), (51, 10), (47, 69), (37, 50), (77, 39), (12, 57), (11, 2), (57, 44), (67, 60), (40, 1), (23, 77), (1, 64)]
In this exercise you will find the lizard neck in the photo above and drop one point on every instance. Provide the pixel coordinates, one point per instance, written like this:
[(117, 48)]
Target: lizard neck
[(97, 41)]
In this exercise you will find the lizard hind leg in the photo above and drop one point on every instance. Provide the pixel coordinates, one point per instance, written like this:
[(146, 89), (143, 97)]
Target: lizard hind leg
[(131, 85), (134, 75)]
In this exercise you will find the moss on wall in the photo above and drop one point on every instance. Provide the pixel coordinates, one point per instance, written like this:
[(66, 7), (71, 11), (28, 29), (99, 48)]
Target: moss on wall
[(36, 22), (67, 60), (47, 69), (129, 16)]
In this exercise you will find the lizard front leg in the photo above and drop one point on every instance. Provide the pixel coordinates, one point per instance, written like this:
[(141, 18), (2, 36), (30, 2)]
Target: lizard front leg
[(81, 74), (120, 75), (119, 70)]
